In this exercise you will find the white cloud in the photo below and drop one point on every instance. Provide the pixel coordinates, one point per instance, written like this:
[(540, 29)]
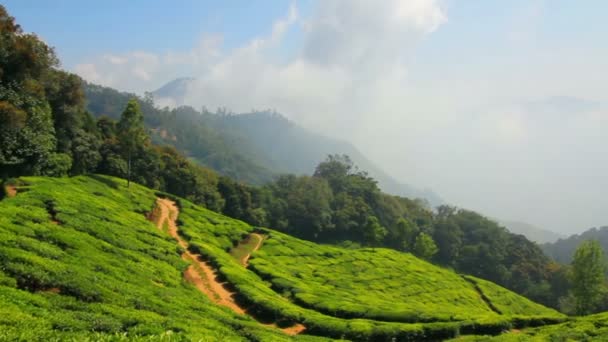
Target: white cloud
[(459, 124), (88, 71)]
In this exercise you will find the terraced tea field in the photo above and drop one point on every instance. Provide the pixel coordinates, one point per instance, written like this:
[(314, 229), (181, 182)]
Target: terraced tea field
[(79, 259), (380, 284)]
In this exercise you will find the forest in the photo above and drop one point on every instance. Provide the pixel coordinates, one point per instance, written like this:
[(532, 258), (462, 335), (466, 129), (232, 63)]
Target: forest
[(48, 128)]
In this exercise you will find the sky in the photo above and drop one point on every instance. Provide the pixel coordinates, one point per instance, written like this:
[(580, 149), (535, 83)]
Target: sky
[(498, 106)]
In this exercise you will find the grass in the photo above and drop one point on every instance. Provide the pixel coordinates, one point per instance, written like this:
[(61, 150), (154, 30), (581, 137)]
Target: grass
[(103, 273), (106, 273), (245, 247), (589, 328), (365, 294), (379, 284)]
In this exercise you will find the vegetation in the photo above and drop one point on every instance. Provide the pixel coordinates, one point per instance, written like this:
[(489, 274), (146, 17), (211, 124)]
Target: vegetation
[(101, 270), (288, 286), (589, 328), (588, 280), (563, 250), (46, 130), (78, 255), (377, 283)]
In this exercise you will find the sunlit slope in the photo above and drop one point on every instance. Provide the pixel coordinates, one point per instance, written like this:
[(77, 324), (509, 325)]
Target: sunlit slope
[(79, 260), (589, 328), (358, 294), (380, 284)]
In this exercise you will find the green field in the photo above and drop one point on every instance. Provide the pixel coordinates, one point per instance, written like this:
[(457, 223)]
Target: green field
[(379, 284), (589, 328), (103, 273), (79, 260)]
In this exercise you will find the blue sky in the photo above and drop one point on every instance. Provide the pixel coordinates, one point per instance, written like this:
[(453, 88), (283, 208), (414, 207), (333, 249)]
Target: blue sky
[(498, 106), (81, 30)]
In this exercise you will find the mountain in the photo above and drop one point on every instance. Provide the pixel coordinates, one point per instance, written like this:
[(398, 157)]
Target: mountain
[(86, 258), (251, 147), (562, 250), (532, 232), (288, 148), (173, 93)]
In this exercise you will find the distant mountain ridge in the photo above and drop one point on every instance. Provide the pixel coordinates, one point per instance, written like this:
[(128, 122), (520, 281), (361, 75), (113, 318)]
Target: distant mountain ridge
[(289, 148), (532, 232), (563, 249), (175, 91)]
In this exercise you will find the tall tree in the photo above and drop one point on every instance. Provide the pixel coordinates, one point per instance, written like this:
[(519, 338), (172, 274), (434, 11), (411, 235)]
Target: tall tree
[(424, 247), (131, 133), (588, 268)]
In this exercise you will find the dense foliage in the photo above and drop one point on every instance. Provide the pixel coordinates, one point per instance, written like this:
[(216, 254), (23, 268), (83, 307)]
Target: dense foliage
[(588, 280), (562, 250), (103, 274)]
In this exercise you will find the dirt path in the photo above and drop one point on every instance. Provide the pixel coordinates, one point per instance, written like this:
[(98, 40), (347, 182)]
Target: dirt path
[(260, 238), (11, 191), (201, 273)]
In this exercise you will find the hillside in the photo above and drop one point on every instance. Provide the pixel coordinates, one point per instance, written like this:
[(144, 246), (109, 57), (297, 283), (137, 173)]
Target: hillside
[(563, 249), (531, 232), (79, 260), (589, 328), (79, 255), (253, 147)]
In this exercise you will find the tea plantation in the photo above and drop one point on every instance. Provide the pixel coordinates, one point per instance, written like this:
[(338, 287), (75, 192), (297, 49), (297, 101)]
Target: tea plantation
[(80, 261), (380, 284), (590, 328)]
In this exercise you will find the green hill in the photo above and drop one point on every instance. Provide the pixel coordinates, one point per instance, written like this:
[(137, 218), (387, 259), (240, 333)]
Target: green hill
[(589, 328), (80, 259)]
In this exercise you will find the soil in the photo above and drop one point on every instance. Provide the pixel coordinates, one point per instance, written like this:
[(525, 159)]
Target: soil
[(201, 273), (11, 191), (260, 238)]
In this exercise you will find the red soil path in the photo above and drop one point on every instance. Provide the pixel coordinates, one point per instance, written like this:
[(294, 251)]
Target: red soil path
[(201, 273), (11, 191), (260, 239)]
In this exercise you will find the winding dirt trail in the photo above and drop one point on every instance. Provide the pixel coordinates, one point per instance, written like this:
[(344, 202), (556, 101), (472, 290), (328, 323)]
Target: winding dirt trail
[(207, 283), (260, 238), (201, 273), (11, 191)]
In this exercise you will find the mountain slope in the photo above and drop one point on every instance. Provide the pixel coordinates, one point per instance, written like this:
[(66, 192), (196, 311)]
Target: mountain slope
[(252, 147), (188, 131), (531, 232), (562, 250), (173, 91), (80, 260), (289, 148)]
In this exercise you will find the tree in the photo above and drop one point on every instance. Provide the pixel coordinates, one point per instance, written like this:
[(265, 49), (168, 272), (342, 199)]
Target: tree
[(424, 247), (374, 233), (406, 232), (131, 132), (587, 276)]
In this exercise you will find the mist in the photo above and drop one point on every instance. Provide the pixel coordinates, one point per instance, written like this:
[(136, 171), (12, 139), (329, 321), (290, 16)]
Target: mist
[(499, 108)]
